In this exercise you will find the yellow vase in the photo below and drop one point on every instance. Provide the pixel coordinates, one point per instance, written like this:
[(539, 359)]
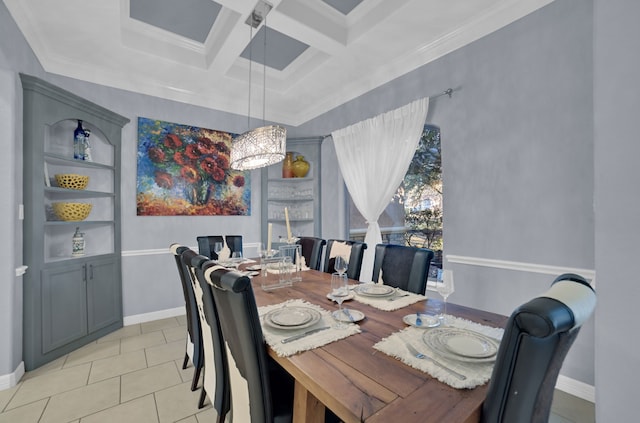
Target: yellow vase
[(287, 166), (300, 167)]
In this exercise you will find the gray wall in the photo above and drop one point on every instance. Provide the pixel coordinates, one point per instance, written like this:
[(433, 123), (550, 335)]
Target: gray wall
[(617, 207), (519, 152), (517, 147)]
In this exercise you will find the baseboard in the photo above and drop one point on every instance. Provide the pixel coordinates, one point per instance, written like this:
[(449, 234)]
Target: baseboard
[(154, 315), (10, 380), (576, 388)]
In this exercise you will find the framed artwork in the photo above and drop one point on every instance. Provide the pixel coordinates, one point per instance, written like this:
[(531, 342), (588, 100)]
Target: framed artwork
[(185, 171)]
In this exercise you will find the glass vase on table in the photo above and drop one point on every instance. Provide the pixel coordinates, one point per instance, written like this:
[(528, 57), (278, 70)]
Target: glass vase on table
[(339, 292), (445, 287)]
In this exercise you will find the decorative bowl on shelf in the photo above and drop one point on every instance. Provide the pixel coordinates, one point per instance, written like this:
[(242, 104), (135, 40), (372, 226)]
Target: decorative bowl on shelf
[(72, 180), (72, 211)]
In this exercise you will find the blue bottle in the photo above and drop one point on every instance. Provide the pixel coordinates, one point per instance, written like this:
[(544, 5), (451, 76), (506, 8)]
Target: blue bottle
[(78, 142)]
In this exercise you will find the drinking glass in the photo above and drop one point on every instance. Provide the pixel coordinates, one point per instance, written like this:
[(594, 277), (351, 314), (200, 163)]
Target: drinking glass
[(341, 265), (262, 253), (445, 288), (339, 291), (236, 257), (217, 247)]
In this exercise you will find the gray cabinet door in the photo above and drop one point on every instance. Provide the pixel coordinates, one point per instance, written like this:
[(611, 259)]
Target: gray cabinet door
[(64, 306), (103, 293)]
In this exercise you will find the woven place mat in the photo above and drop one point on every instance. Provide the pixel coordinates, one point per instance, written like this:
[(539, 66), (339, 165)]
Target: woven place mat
[(275, 336), (477, 373), (386, 305)]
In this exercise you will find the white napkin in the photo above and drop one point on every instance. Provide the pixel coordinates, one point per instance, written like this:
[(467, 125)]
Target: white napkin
[(340, 249), (477, 373), (386, 305), (275, 336)]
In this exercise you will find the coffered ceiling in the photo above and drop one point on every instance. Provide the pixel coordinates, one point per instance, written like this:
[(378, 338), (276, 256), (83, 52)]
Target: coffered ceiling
[(319, 53)]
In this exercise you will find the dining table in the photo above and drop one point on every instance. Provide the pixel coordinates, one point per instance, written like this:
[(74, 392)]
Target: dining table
[(358, 382)]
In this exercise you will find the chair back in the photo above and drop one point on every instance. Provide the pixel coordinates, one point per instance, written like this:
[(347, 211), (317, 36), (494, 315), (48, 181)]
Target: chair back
[(249, 365), (234, 242), (402, 267), (194, 331), (216, 359), (535, 343), (206, 243), (312, 250), (355, 251)]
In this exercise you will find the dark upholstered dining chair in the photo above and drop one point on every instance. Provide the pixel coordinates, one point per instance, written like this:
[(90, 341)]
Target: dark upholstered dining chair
[(536, 340), (193, 348), (253, 374), (206, 243), (222, 396), (402, 267), (312, 250), (234, 242), (356, 253)]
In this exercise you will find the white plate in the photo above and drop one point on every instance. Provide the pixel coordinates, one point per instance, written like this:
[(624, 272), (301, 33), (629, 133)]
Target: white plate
[(375, 290), (427, 321), (343, 317), (468, 344), (350, 296), (254, 267), (461, 345), (291, 318)]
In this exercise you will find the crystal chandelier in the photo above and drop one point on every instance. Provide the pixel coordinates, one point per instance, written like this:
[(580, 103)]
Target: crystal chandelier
[(265, 145)]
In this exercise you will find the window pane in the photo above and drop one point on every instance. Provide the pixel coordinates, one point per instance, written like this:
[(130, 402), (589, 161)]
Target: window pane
[(414, 214)]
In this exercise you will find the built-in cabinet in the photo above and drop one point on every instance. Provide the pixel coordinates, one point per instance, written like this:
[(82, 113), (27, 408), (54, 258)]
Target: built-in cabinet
[(301, 196), (69, 300)]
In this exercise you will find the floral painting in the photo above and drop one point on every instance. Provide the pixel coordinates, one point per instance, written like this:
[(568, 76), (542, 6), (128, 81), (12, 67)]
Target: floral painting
[(185, 170)]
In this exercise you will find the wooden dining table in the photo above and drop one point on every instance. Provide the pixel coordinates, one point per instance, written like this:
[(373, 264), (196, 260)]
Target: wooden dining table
[(361, 384)]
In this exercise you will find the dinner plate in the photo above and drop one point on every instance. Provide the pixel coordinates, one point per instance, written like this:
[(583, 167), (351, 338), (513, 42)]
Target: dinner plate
[(350, 296), (375, 290), (427, 321), (254, 267), (461, 344), (291, 318), (356, 315)]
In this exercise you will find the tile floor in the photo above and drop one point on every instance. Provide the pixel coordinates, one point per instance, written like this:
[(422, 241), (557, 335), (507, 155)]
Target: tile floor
[(135, 375)]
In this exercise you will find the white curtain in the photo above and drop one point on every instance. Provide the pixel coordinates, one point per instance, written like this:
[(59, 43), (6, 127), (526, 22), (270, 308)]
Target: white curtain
[(374, 156)]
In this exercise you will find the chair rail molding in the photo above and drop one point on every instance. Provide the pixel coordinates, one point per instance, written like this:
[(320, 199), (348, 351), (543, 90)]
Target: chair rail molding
[(589, 274)]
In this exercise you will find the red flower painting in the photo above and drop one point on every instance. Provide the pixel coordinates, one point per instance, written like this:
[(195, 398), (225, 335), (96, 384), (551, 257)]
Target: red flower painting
[(185, 170)]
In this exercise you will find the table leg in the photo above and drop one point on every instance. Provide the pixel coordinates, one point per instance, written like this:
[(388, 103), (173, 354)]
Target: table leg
[(306, 407)]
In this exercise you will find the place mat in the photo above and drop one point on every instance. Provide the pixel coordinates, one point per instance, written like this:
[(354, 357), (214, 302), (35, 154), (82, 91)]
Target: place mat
[(275, 336), (383, 303), (477, 373)]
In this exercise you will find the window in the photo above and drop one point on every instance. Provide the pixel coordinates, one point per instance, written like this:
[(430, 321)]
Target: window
[(414, 214)]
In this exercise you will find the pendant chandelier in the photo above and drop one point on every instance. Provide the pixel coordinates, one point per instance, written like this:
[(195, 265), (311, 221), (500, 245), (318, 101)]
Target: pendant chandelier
[(265, 145)]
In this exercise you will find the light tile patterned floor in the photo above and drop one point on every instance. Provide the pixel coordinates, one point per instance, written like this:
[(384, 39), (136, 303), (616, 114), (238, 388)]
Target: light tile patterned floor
[(135, 375)]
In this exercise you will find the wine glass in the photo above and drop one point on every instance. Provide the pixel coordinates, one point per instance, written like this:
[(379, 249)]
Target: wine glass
[(217, 247), (339, 291), (341, 265), (445, 288), (236, 258)]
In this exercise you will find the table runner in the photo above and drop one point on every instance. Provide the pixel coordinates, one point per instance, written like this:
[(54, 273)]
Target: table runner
[(385, 304), (274, 336), (476, 373)]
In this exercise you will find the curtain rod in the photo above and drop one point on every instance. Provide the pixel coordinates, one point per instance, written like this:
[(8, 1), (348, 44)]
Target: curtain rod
[(448, 91)]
